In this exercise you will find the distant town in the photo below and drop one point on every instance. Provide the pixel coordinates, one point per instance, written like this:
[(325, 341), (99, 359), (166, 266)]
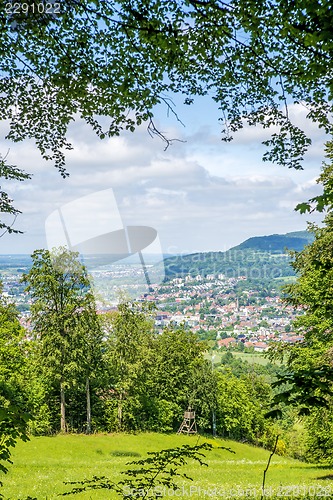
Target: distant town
[(228, 313)]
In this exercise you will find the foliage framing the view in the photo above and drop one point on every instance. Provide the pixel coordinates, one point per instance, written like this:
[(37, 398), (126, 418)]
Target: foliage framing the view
[(9, 172), (13, 426), (308, 383), (112, 64), (13, 419), (121, 59)]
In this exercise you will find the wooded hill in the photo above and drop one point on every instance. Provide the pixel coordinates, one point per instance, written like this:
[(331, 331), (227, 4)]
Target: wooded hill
[(260, 257), (278, 242)]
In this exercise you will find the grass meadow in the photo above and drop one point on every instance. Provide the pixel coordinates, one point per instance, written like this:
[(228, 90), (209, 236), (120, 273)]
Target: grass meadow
[(250, 357), (44, 463)]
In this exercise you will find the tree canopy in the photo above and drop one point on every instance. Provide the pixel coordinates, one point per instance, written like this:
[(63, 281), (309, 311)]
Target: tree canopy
[(309, 362), (307, 382), (9, 172), (13, 419), (120, 59), (64, 320)]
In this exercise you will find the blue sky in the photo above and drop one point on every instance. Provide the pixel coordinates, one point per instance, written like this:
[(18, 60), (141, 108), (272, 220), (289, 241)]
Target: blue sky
[(200, 195)]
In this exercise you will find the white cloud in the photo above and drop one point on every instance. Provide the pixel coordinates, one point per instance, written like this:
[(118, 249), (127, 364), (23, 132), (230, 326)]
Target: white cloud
[(202, 195)]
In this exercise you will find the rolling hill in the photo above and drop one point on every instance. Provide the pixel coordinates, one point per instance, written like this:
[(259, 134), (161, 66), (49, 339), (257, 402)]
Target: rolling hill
[(260, 257), (277, 242)]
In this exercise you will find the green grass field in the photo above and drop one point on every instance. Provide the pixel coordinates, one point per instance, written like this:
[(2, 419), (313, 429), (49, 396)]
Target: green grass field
[(41, 466), (250, 357), (284, 280)]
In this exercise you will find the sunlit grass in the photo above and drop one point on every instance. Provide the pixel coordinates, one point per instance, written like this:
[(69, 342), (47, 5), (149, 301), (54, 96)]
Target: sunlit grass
[(43, 464), (250, 357)]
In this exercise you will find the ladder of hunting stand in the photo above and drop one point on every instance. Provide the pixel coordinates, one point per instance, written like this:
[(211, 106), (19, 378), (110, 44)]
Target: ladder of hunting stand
[(188, 425)]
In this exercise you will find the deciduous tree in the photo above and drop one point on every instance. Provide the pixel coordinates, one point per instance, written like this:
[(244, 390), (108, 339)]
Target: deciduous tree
[(7, 209), (13, 418), (113, 63), (62, 311), (128, 356), (100, 58), (309, 375)]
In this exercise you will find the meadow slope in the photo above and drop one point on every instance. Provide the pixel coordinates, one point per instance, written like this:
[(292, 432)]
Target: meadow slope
[(41, 466)]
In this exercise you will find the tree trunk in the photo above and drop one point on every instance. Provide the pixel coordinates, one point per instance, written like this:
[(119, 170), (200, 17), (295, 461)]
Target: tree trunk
[(88, 406), (120, 411), (63, 426)]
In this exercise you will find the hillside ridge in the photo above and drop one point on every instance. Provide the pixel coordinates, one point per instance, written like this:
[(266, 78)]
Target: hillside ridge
[(259, 257), (295, 240)]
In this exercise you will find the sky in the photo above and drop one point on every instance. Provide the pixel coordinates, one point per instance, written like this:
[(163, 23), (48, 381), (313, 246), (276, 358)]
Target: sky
[(201, 194)]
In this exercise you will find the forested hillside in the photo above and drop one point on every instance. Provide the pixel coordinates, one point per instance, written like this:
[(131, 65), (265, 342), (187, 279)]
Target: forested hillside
[(279, 243), (261, 257)]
